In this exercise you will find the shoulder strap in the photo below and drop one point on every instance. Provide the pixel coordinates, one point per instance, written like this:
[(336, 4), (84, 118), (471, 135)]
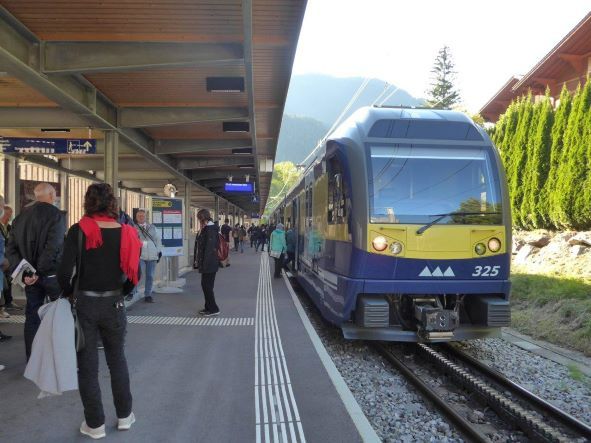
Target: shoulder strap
[(148, 234)]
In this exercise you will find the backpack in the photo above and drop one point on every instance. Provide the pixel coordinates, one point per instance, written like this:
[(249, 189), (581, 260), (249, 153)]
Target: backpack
[(223, 248)]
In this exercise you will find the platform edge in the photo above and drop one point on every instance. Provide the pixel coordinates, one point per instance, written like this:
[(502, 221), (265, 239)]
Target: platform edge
[(365, 429)]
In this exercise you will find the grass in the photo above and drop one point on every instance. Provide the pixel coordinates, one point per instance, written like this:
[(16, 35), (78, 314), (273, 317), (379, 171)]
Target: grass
[(557, 309)]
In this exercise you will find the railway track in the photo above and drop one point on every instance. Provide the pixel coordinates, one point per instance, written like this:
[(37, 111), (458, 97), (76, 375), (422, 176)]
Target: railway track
[(513, 404)]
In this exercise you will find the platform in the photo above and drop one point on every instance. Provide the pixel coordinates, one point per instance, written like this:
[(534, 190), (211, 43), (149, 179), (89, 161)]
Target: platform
[(251, 374)]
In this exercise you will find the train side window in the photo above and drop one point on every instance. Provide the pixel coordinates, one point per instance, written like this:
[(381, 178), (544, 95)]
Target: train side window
[(337, 197)]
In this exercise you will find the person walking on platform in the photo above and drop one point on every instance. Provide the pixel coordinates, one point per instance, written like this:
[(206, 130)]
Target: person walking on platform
[(105, 256), (242, 238), (207, 261), (290, 242), (236, 236), (263, 237), (277, 247), (151, 252), (38, 237), (249, 232)]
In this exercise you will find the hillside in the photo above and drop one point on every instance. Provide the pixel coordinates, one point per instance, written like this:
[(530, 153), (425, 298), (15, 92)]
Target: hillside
[(314, 102), (323, 97), (299, 135)]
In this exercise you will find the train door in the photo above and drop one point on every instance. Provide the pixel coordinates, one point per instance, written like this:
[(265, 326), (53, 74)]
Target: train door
[(294, 227)]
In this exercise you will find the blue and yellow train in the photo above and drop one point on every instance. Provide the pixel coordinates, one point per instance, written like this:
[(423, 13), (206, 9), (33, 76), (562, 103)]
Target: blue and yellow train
[(403, 228)]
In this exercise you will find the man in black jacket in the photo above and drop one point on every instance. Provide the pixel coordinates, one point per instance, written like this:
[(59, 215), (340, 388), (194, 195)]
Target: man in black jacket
[(38, 236)]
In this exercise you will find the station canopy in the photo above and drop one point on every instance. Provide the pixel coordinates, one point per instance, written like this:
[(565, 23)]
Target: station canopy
[(193, 90)]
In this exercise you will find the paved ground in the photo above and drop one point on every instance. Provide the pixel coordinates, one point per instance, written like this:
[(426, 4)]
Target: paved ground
[(192, 382)]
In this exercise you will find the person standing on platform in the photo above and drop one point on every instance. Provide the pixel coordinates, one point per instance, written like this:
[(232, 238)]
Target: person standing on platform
[(5, 233), (225, 230), (242, 238), (207, 261), (290, 243), (38, 236), (108, 256), (3, 263), (277, 248), (151, 252), (249, 232), (263, 237)]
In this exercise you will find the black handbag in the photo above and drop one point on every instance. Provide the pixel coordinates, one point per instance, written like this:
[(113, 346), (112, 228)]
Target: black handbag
[(79, 333)]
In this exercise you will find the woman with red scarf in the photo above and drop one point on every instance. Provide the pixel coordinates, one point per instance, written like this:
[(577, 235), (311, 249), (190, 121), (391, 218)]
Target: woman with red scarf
[(109, 258)]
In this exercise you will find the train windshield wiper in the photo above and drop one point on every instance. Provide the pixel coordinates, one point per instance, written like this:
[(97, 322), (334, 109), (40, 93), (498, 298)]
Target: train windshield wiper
[(442, 216)]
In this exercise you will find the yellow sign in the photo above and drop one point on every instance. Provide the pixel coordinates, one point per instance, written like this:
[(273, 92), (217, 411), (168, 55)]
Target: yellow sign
[(161, 203)]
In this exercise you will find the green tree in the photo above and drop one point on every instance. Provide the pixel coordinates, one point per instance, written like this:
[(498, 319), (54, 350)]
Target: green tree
[(571, 178), (285, 175), (540, 164), (519, 158), (443, 93), (550, 194)]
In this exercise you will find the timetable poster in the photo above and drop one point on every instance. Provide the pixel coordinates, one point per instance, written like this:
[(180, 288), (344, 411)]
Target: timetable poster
[(167, 217)]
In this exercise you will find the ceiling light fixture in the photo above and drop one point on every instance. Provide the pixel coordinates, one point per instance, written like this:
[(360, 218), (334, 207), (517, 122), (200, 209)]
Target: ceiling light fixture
[(224, 84), (235, 127)]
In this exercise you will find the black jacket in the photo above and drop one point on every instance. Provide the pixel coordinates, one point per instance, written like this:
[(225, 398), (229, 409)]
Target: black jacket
[(207, 250), (38, 236)]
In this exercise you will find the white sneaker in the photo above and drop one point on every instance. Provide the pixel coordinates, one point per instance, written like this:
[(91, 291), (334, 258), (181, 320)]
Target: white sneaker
[(95, 433), (3, 313), (123, 424)]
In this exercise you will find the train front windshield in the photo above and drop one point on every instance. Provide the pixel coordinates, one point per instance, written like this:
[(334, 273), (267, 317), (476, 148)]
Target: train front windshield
[(410, 184)]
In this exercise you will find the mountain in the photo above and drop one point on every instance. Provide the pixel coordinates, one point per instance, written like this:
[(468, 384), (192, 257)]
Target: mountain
[(323, 97), (315, 101), (299, 135)]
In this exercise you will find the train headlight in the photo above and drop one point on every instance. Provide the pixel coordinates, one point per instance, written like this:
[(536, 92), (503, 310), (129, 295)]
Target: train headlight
[(396, 248), (480, 249), (494, 244), (379, 243)]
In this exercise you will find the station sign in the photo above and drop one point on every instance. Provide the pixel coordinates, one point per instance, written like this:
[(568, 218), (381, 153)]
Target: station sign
[(16, 145), (239, 187)]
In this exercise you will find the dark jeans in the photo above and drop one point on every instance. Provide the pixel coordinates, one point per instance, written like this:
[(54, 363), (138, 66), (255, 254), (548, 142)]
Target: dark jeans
[(251, 241), (261, 243), (278, 266), (236, 243), (35, 298), (7, 291), (99, 316), (207, 282), (290, 259)]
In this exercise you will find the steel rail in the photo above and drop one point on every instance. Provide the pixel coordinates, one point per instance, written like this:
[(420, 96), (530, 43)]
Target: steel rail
[(545, 407), (466, 428)]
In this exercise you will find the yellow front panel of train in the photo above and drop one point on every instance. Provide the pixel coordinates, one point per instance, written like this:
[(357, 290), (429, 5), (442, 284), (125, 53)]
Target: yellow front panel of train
[(437, 242)]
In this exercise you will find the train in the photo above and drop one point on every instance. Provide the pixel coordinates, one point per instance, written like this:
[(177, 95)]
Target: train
[(403, 227)]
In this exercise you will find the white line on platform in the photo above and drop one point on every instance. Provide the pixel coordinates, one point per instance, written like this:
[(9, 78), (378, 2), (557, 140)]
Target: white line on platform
[(273, 392), (366, 431)]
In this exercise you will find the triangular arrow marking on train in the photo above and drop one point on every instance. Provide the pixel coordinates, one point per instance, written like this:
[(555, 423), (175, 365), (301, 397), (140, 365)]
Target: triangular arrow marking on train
[(425, 272)]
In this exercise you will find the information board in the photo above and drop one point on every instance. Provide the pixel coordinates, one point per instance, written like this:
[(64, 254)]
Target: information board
[(47, 145), (167, 217), (238, 187)]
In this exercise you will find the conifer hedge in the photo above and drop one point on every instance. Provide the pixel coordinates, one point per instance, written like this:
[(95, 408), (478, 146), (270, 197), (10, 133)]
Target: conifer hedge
[(546, 152)]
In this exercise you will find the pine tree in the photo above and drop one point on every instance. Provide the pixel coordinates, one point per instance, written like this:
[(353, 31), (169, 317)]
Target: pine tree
[(550, 193), (571, 178), (519, 159), (540, 163), (583, 197), (443, 93), (527, 204)]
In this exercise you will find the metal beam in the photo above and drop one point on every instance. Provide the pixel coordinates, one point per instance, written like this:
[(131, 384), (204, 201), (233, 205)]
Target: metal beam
[(188, 146), (125, 164), (215, 175), (249, 77), (90, 57), (22, 58), (214, 162), (163, 116), (139, 175), (36, 118)]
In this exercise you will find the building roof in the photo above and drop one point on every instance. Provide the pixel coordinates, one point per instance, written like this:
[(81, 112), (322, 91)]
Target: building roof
[(175, 80), (566, 63)]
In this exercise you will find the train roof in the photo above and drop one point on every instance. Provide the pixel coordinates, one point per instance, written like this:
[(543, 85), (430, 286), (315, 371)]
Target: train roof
[(412, 123)]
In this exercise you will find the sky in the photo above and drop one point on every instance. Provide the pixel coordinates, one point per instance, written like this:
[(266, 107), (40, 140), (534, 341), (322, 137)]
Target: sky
[(397, 41)]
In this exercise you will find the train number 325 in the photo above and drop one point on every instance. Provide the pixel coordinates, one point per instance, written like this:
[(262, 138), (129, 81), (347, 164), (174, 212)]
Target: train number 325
[(486, 271)]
